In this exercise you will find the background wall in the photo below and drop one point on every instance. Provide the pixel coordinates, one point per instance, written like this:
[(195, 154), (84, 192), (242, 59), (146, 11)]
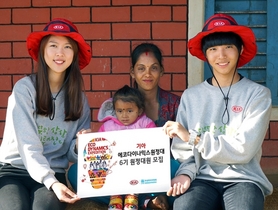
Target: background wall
[(113, 28)]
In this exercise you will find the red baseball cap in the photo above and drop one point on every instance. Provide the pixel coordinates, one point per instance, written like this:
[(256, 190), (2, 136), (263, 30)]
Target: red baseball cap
[(60, 27), (225, 23)]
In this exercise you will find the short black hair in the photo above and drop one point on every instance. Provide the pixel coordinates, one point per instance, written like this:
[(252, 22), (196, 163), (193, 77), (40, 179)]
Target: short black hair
[(129, 94), (221, 38)]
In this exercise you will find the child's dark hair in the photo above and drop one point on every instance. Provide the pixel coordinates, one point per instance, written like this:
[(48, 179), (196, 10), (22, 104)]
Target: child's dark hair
[(221, 38), (129, 94)]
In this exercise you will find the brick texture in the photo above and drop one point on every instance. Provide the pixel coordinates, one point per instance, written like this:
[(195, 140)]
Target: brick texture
[(5, 16), (10, 33), (112, 28), (151, 13), (111, 14), (74, 14), (50, 3), (91, 3), (131, 2), (6, 50), (15, 3), (31, 15)]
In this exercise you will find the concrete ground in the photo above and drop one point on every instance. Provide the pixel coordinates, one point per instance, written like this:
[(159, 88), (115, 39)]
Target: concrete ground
[(271, 203)]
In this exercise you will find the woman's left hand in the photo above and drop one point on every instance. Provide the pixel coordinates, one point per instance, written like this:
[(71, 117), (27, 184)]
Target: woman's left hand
[(159, 202), (63, 193)]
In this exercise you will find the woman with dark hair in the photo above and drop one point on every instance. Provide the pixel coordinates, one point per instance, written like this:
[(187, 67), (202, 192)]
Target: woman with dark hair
[(146, 70), (46, 111), (160, 105)]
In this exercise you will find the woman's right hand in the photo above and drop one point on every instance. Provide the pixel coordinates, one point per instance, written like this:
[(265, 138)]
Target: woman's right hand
[(175, 129), (180, 185), (78, 133)]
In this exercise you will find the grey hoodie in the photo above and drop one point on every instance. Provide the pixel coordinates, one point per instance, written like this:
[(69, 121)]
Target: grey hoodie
[(226, 153), (36, 143)]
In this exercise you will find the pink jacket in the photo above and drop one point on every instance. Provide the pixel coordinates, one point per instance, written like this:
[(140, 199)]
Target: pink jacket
[(111, 123)]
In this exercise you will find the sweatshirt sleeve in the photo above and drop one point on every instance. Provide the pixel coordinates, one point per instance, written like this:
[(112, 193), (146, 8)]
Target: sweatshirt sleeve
[(101, 129), (247, 142), (181, 150), (151, 125)]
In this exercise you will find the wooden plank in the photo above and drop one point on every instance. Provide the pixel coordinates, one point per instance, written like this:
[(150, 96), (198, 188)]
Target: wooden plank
[(256, 75), (272, 49), (251, 19), (240, 5), (258, 60)]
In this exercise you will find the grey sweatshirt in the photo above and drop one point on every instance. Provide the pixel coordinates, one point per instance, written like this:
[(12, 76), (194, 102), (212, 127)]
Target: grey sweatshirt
[(36, 143), (226, 153)]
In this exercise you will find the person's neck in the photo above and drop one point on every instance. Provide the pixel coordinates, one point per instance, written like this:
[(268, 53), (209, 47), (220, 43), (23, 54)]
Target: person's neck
[(55, 82), (151, 103), (225, 81), (150, 95)]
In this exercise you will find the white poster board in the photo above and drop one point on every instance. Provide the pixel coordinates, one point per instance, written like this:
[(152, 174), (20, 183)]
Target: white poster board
[(123, 162)]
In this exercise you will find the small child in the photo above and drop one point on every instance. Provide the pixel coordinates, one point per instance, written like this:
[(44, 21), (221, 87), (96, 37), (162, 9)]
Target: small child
[(124, 111)]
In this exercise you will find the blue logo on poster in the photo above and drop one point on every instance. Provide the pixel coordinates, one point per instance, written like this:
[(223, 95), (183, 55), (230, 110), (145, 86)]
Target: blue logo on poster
[(148, 181)]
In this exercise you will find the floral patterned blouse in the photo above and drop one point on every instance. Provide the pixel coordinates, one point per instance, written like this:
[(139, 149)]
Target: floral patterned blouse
[(168, 107)]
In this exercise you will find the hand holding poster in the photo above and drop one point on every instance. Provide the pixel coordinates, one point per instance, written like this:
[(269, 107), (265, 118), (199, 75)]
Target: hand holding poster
[(123, 162)]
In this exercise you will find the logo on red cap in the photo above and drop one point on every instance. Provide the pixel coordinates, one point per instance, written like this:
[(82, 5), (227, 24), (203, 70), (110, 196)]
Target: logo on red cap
[(219, 23), (58, 27)]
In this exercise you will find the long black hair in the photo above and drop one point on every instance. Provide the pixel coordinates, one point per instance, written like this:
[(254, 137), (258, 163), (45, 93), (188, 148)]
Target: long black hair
[(73, 86)]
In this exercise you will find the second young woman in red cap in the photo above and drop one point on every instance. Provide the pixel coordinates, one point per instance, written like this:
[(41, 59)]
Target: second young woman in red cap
[(221, 124), (45, 112)]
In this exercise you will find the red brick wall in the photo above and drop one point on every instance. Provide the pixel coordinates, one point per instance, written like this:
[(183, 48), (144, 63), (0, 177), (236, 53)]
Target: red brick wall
[(112, 28), (269, 160)]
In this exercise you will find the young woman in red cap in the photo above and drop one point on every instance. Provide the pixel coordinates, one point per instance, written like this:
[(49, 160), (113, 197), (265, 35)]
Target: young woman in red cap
[(45, 112), (221, 124)]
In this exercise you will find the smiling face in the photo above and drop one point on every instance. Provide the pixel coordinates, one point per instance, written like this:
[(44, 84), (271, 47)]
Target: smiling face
[(126, 112), (223, 60), (147, 71), (58, 54)]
